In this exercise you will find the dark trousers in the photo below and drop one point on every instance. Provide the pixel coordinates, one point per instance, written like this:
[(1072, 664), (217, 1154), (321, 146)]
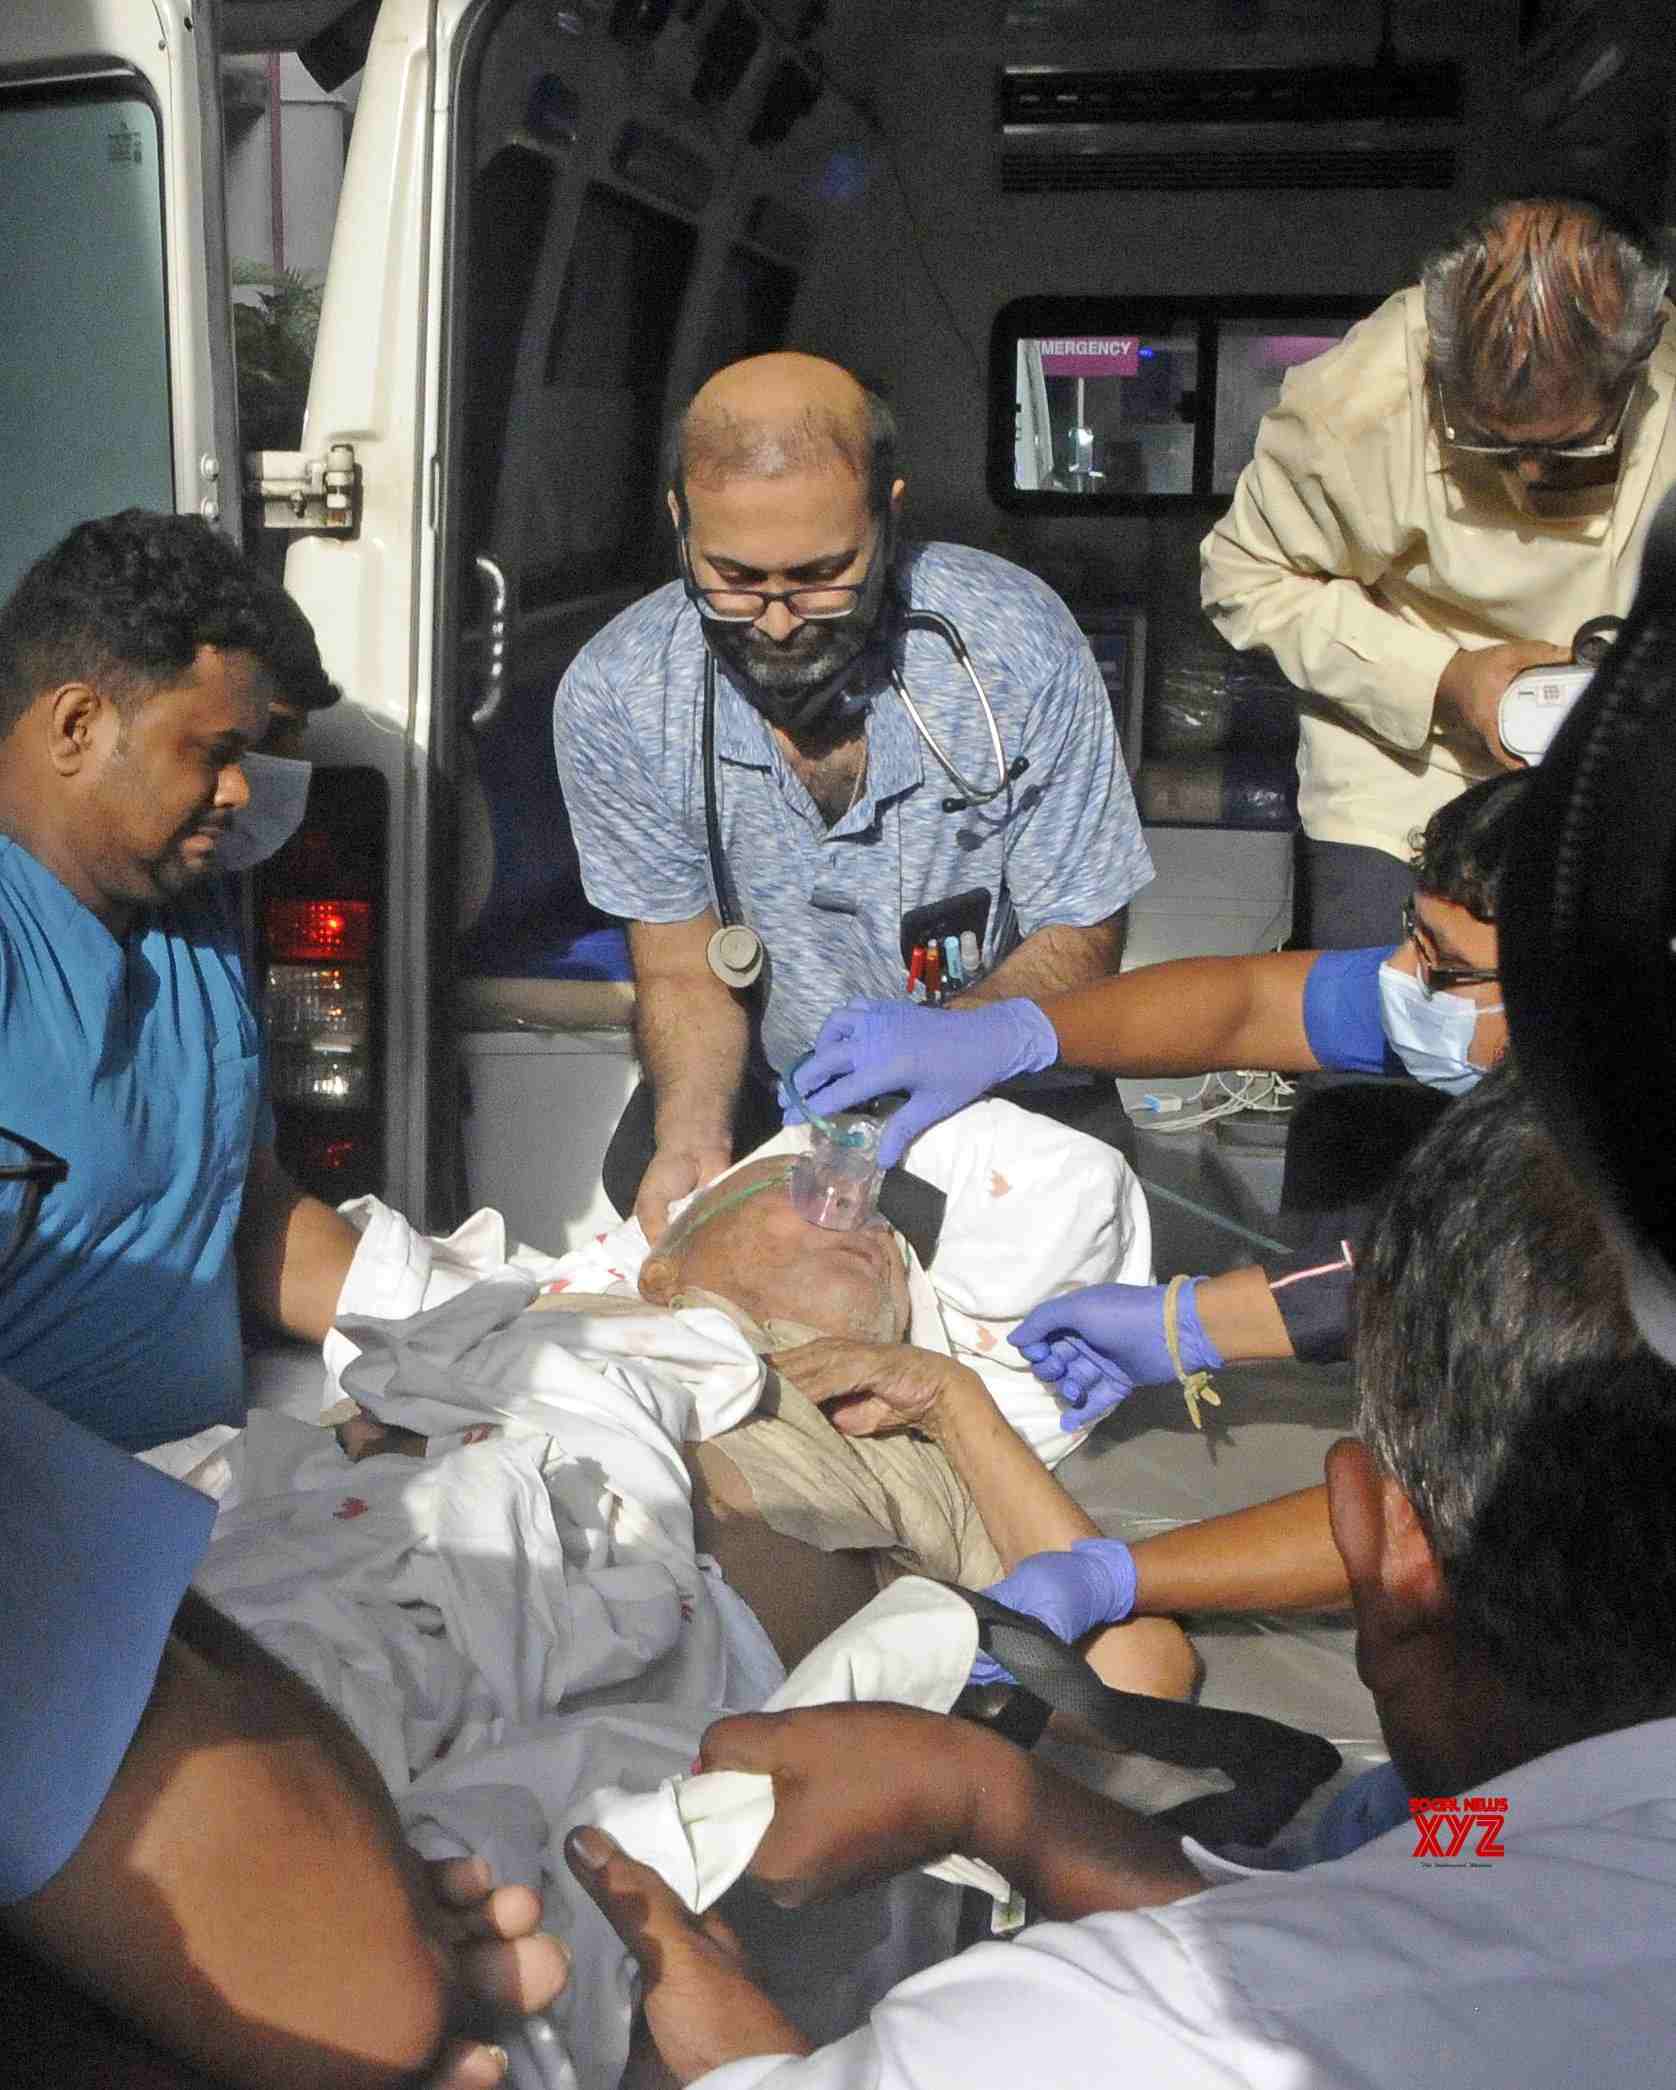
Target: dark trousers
[(1093, 1107), (57, 2037), (1350, 898)]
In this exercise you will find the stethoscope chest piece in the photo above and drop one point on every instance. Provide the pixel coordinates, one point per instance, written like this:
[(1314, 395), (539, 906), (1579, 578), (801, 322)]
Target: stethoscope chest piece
[(734, 955)]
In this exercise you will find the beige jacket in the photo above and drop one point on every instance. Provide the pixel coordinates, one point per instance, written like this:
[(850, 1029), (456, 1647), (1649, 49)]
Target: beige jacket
[(1361, 564)]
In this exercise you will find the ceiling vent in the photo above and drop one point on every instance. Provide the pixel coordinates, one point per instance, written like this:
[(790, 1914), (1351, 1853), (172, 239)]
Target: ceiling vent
[(1384, 126)]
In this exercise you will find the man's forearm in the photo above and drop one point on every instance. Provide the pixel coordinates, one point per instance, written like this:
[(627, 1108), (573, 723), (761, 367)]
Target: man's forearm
[(1277, 1556), (1070, 1851), (1052, 959), (1237, 1311), (1189, 1015), (692, 1036)]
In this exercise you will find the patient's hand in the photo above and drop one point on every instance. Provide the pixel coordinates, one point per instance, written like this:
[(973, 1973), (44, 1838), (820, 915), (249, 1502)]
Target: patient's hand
[(868, 1388), (861, 1792), (363, 1436), (702, 2007)]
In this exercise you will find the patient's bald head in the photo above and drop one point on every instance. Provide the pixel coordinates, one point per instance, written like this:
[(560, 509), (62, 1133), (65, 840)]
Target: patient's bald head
[(744, 1240)]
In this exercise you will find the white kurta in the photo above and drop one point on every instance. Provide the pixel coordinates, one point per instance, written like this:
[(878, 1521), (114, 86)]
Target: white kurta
[(1551, 1967)]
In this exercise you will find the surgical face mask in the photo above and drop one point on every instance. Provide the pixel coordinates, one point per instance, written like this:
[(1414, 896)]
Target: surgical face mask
[(1431, 1033), (801, 685), (278, 800)]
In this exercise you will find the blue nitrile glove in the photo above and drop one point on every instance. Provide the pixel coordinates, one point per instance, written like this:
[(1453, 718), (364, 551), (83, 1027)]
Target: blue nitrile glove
[(1071, 1593), (942, 1058), (1095, 1346)]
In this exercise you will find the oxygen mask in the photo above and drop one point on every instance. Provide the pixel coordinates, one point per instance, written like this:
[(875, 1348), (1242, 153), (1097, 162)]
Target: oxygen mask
[(836, 1183)]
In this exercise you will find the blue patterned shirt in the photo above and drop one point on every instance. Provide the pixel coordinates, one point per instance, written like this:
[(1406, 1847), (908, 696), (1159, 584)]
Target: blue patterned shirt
[(1063, 846)]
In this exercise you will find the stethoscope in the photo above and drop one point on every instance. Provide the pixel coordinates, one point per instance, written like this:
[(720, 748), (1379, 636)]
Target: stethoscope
[(735, 952)]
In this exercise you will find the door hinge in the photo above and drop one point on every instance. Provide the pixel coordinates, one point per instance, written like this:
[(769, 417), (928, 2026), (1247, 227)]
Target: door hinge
[(300, 492)]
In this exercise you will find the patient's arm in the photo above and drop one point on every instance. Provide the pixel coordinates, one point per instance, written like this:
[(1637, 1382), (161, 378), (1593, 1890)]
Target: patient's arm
[(245, 1895), (868, 1387)]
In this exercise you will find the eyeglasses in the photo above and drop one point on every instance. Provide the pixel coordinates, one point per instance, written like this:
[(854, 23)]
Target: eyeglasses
[(824, 603), (1510, 453), (37, 1170), (1435, 978)]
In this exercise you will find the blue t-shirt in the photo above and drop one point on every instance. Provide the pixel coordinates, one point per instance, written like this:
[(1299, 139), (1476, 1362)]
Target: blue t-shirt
[(1064, 845), (1342, 1019), (96, 1552), (139, 1063)]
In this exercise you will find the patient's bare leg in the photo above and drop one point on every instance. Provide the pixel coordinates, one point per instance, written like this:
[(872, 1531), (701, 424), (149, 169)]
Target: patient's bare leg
[(798, 1593)]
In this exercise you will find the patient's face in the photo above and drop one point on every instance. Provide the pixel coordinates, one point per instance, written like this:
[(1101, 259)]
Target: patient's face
[(768, 1260)]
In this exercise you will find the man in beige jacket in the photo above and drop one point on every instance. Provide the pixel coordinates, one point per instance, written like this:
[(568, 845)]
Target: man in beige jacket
[(1436, 504)]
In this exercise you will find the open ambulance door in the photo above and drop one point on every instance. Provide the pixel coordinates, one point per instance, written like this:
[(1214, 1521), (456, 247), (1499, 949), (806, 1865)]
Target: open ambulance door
[(352, 943), (116, 365)]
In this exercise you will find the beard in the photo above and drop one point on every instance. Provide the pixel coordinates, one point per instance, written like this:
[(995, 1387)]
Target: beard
[(799, 683), (781, 673)]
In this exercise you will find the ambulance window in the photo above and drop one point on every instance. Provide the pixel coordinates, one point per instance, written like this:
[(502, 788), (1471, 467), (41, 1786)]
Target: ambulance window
[(1114, 406), (1253, 357), (602, 403), (84, 372), (753, 309), (1119, 411)]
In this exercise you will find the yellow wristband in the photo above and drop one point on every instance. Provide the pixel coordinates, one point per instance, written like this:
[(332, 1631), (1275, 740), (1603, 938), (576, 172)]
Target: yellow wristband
[(1195, 1386)]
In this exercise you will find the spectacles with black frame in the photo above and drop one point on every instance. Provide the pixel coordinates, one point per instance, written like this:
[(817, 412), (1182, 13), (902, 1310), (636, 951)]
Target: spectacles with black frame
[(38, 1170), (824, 602), (1435, 978), (1510, 453)]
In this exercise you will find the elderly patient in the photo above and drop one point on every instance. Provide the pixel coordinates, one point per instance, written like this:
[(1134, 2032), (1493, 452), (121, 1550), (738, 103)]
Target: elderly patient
[(872, 1452)]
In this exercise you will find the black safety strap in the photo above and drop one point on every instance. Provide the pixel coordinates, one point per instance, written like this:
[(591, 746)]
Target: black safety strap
[(915, 1208), (1274, 1768)]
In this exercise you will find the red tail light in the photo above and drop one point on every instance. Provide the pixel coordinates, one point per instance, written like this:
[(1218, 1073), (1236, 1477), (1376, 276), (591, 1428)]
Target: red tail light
[(318, 932), (318, 905)]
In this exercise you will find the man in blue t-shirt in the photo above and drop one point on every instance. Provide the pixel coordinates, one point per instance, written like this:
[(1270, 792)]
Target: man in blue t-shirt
[(861, 796), (1429, 1007), (138, 660)]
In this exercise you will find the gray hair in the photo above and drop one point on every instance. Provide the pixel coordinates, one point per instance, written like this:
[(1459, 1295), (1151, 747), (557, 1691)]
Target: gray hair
[(1506, 1388), (1542, 297)]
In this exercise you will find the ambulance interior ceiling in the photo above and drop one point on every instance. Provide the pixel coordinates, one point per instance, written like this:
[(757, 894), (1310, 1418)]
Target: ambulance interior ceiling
[(936, 243), (923, 235)]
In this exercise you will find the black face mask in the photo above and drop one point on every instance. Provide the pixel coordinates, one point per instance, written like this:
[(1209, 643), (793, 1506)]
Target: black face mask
[(799, 684)]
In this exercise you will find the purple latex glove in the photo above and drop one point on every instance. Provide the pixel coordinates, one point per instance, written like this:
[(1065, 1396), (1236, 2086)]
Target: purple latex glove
[(1071, 1593), (943, 1059), (1096, 1346)]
